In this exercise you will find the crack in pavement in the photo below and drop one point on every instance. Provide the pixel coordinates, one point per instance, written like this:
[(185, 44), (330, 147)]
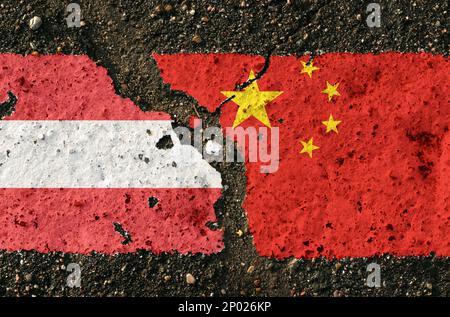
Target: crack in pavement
[(125, 234), (311, 14)]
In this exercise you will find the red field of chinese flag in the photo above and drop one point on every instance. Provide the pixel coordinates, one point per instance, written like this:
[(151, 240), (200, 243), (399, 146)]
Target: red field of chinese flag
[(372, 179)]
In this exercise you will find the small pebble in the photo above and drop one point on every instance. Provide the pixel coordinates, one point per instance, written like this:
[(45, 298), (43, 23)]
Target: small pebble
[(35, 23), (197, 39), (168, 8), (292, 265), (337, 293), (190, 279), (212, 148)]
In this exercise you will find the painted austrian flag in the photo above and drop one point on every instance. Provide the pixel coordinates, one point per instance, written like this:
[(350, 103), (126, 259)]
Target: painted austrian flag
[(82, 169), (364, 148)]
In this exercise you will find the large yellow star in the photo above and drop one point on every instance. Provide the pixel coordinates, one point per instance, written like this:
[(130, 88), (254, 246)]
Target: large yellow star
[(331, 90), (308, 147), (308, 68), (252, 102), (331, 124)]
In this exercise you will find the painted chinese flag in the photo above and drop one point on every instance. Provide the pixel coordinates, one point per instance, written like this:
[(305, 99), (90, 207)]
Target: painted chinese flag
[(364, 148)]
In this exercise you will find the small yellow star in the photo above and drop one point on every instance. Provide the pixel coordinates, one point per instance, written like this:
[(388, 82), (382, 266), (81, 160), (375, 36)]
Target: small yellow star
[(308, 147), (331, 90), (252, 102), (308, 68), (331, 124)]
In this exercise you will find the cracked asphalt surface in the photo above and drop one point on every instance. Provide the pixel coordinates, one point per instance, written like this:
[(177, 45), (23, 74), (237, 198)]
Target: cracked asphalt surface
[(120, 36)]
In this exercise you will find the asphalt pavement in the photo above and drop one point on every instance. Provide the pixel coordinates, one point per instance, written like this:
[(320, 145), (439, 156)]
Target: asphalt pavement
[(120, 36)]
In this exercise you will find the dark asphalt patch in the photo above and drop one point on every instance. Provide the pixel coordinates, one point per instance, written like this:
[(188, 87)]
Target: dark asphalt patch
[(165, 143), (8, 107), (121, 36)]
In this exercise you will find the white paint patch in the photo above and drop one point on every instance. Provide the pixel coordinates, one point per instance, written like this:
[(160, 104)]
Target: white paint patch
[(98, 154)]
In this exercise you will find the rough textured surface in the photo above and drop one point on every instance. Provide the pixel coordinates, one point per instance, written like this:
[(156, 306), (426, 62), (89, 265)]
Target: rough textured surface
[(378, 186), (77, 162), (64, 87), (120, 35), (82, 220), (99, 154)]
